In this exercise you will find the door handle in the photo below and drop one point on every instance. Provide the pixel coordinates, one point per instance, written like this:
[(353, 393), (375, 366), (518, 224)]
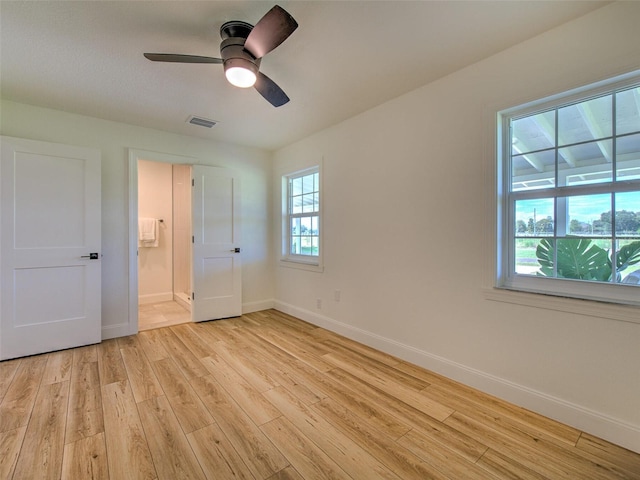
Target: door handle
[(235, 250), (91, 256)]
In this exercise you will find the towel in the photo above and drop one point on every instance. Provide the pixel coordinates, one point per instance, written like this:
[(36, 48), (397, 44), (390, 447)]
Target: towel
[(147, 232)]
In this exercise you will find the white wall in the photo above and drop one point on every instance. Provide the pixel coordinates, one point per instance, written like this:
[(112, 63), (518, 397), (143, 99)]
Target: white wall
[(408, 232), (114, 141), (155, 200)]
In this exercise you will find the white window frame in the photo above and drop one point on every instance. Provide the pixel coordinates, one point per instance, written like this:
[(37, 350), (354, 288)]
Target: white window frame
[(506, 278), (293, 260)]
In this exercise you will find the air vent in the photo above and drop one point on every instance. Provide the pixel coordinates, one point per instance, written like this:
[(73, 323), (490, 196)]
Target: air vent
[(201, 122)]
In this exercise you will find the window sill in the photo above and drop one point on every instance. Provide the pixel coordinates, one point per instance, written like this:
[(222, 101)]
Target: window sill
[(300, 265), (611, 311)]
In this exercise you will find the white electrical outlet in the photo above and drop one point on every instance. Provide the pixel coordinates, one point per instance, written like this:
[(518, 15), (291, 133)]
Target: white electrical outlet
[(318, 303), (336, 295)]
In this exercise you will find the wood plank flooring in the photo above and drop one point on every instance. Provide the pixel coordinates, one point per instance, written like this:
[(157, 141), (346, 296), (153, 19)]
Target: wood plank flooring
[(268, 396), (161, 314)]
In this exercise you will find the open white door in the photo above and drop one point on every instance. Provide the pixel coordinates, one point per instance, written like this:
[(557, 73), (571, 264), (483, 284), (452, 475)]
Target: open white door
[(216, 282), (50, 285)]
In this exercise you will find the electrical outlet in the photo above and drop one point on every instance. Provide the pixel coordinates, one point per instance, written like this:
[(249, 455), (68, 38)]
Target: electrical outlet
[(318, 303), (336, 295)]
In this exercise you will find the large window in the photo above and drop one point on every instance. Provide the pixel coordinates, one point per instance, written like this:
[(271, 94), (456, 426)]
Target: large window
[(303, 216), (570, 195)]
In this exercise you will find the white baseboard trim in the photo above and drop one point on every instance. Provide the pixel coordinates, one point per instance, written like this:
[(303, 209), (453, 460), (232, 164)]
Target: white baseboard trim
[(155, 298), (611, 429), (251, 307)]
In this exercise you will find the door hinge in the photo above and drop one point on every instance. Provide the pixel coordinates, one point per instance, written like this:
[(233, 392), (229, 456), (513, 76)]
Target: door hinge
[(193, 239), (193, 296), (193, 182)]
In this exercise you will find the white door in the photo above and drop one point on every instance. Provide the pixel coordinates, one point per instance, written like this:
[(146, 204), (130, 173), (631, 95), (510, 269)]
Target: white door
[(50, 287), (216, 282)]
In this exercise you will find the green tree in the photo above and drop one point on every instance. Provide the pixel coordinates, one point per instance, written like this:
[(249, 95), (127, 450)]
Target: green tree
[(544, 225), (531, 226), (627, 222), (575, 226)]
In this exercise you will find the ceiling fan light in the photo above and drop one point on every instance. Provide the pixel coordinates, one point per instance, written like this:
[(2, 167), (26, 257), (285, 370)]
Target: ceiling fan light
[(240, 77)]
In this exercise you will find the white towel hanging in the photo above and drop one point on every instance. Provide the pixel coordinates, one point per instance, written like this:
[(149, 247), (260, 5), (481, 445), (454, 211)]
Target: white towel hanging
[(148, 232)]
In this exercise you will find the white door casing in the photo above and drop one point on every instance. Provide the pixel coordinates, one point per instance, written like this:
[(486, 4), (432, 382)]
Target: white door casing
[(50, 224), (217, 269)]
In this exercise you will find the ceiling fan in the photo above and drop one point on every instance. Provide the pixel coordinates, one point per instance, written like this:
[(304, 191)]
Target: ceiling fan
[(242, 48)]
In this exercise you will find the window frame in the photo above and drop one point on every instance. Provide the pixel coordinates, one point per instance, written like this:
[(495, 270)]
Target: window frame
[(295, 260), (505, 276)]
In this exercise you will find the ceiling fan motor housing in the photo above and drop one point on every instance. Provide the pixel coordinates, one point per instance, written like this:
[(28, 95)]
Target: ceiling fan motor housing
[(232, 50), (234, 55)]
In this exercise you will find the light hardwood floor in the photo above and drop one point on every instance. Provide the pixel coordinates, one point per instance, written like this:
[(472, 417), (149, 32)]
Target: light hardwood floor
[(161, 314), (267, 396)]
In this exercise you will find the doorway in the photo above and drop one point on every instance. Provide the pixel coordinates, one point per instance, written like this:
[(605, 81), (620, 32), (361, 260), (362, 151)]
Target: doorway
[(211, 250), (164, 246)]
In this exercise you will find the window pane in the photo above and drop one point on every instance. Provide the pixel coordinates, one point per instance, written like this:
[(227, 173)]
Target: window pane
[(585, 121), (583, 259), (628, 111), (296, 186), (533, 171), (307, 203), (306, 247), (589, 215), (305, 225), (628, 157), (296, 204), (574, 258), (295, 245), (314, 226), (586, 163), (534, 217), (526, 261), (307, 184), (628, 261), (536, 132), (628, 214), (295, 226)]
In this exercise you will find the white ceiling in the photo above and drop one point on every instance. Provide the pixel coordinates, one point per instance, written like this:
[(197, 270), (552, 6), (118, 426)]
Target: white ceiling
[(346, 57)]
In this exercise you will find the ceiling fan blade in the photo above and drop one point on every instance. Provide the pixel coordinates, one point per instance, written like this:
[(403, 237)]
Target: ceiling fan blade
[(174, 57), (270, 90), (270, 31)]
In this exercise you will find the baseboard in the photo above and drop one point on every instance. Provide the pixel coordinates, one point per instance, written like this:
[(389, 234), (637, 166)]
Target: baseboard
[(251, 307), (155, 298), (183, 300), (611, 429)]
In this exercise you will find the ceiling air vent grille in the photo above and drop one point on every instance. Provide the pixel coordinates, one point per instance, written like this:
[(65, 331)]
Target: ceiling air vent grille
[(201, 122)]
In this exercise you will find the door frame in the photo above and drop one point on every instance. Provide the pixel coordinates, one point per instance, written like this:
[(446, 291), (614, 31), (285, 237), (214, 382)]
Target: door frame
[(135, 155)]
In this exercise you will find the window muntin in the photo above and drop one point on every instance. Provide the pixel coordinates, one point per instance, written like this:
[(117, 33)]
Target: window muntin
[(303, 216), (567, 168)]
